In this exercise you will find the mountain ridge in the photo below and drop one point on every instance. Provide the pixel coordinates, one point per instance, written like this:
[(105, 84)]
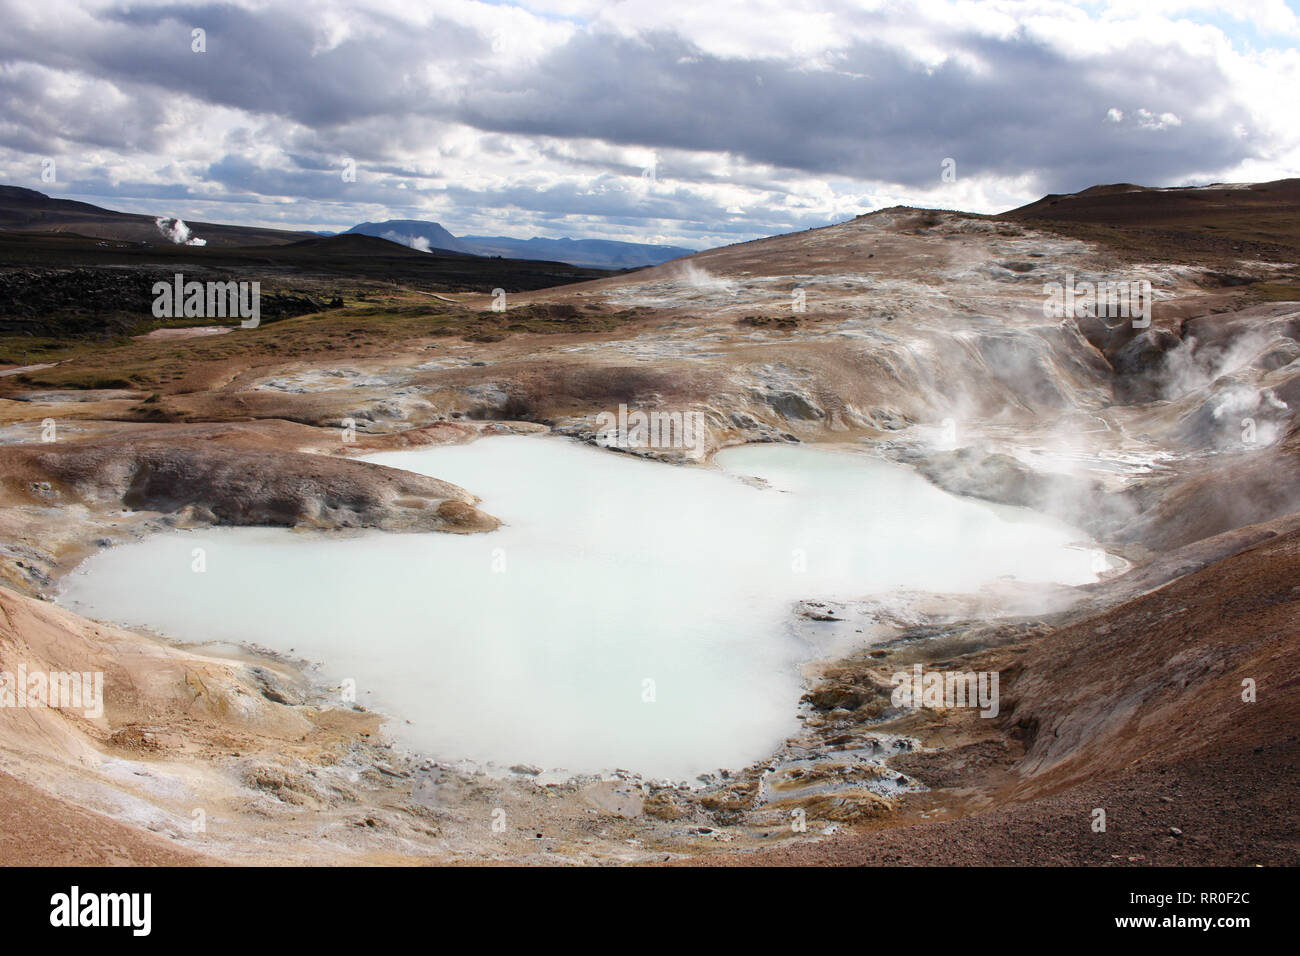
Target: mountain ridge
[(592, 253), (28, 210)]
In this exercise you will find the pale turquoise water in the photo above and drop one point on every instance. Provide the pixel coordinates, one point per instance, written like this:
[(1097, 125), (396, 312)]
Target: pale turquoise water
[(535, 643)]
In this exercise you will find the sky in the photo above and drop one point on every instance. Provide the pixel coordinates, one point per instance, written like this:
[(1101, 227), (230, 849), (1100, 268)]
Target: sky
[(669, 121)]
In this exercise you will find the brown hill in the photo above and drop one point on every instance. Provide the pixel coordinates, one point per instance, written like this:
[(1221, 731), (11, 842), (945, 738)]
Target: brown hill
[(27, 210), (1218, 222)]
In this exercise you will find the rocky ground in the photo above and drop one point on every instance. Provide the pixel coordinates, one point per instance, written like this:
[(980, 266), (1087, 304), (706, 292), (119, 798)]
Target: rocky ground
[(916, 336)]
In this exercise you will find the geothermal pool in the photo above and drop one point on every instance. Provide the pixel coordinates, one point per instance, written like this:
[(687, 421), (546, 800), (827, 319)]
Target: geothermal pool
[(628, 614)]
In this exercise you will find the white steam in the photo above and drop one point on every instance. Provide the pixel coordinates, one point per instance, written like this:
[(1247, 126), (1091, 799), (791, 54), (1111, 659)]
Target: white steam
[(418, 243), (1191, 366), (176, 231), (702, 279), (1239, 403), (1234, 408)]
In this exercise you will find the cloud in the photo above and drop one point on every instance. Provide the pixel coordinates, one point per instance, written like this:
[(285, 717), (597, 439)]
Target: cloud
[(500, 119)]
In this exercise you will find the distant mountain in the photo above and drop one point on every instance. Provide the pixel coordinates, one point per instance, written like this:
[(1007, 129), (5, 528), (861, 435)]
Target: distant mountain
[(416, 233), (26, 210), (360, 244), (591, 253), (595, 253)]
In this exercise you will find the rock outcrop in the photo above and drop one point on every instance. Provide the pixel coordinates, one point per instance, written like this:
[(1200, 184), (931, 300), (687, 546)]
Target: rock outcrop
[(215, 483)]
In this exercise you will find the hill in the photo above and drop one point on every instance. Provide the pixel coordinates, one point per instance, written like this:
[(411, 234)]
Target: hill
[(1201, 224), (26, 210), (415, 233)]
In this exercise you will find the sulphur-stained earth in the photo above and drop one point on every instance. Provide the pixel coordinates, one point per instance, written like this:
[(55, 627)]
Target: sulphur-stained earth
[(1164, 693)]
